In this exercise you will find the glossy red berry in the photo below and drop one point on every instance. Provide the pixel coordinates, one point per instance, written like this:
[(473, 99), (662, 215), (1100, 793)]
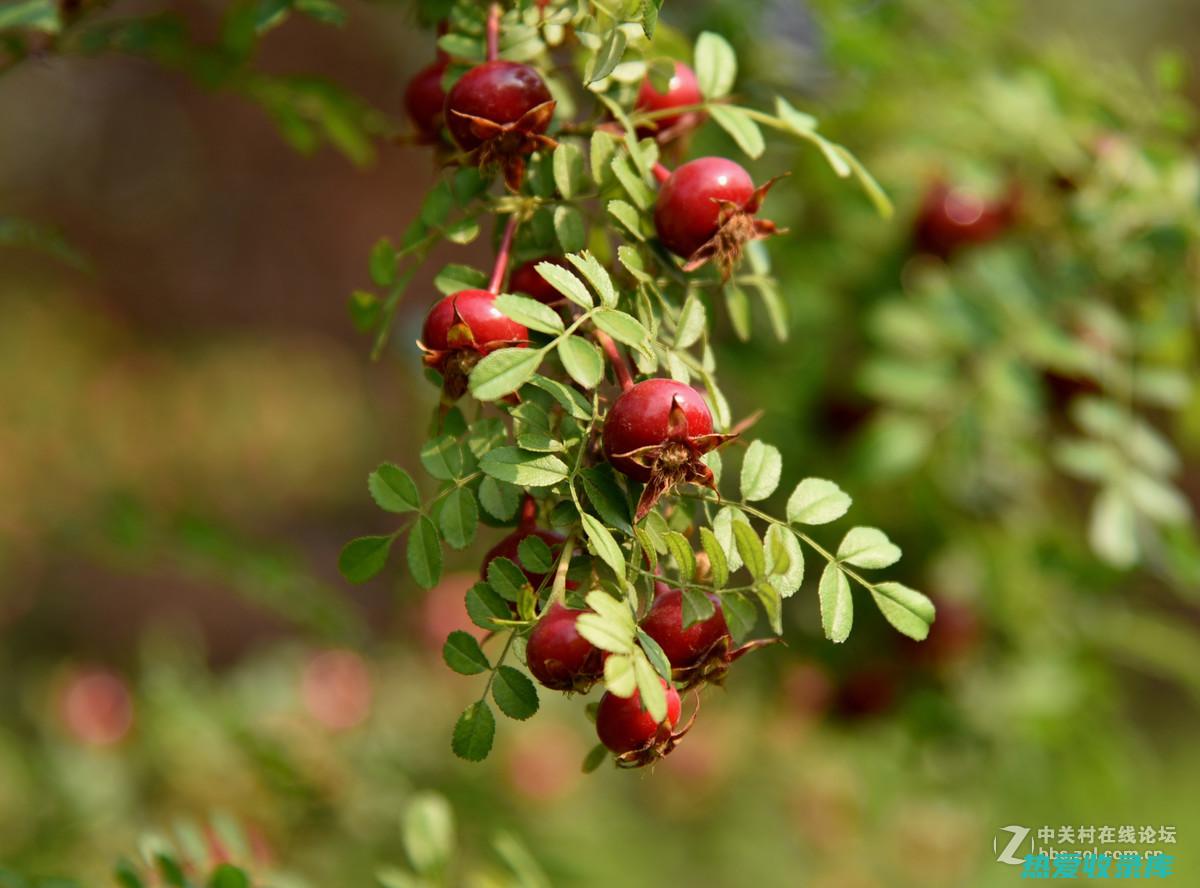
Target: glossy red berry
[(657, 432), (558, 656), (499, 112), (625, 727), (685, 647), (460, 329), (953, 218), (424, 100), (527, 280), (682, 91), (706, 210)]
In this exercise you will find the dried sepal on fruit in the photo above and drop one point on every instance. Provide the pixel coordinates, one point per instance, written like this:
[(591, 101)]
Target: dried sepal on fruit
[(657, 432)]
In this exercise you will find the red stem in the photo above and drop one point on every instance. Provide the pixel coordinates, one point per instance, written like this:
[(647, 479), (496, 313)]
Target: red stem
[(529, 512), (501, 266), (493, 32), (624, 377), (660, 172)]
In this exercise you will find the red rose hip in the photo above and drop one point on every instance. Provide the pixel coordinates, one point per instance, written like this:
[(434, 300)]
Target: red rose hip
[(682, 91), (509, 548), (951, 219), (424, 100), (657, 432), (460, 329), (499, 112), (558, 656), (527, 280), (685, 647), (625, 727), (707, 210)]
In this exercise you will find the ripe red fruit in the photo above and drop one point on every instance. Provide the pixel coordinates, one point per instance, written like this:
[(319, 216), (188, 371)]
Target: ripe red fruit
[(953, 218), (499, 112), (630, 731), (527, 280), (706, 209), (508, 548), (424, 100), (657, 432), (460, 329), (682, 91), (699, 653), (558, 656), (686, 648)]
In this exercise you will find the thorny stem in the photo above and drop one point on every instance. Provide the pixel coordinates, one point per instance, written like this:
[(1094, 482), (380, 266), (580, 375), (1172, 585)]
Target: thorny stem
[(493, 32), (661, 173), (502, 255), (624, 377)]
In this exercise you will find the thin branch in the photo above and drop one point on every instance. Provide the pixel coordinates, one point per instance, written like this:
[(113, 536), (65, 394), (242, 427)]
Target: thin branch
[(502, 255), (493, 32), (624, 377)]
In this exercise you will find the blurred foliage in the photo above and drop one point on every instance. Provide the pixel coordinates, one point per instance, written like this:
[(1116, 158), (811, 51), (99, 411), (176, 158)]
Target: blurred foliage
[(1022, 411)]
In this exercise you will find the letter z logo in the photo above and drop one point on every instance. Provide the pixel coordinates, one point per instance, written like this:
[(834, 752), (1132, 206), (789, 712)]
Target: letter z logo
[(1018, 836)]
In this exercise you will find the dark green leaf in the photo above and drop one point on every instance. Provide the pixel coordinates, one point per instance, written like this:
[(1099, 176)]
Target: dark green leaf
[(696, 606), (442, 458), (383, 263), (393, 489), (499, 498), (506, 578), (484, 606), (514, 693), (456, 277), (606, 496), (595, 758), (459, 517), (229, 876), (608, 56), (474, 732), (463, 654), (740, 615), (655, 654), (424, 553), (535, 555), (569, 228), (364, 557)]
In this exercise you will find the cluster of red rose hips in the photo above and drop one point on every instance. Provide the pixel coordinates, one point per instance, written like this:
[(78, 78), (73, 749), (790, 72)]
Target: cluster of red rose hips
[(657, 430), (561, 659)]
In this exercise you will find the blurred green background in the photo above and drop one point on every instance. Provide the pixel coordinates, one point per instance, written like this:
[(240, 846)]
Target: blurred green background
[(187, 417)]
